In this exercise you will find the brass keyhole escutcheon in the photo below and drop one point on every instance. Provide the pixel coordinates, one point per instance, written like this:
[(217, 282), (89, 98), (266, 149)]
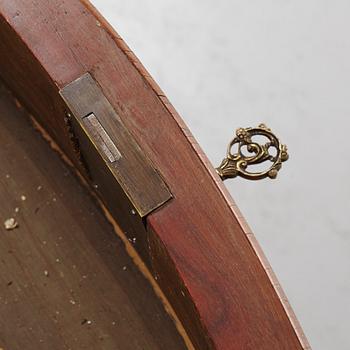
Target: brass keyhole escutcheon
[(250, 152)]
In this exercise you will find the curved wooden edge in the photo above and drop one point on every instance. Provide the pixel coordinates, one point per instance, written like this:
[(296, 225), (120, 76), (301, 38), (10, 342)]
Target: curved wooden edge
[(203, 254), (203, 157)]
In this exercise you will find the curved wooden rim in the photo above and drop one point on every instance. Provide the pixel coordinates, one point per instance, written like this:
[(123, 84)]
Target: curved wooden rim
[(202, 253)]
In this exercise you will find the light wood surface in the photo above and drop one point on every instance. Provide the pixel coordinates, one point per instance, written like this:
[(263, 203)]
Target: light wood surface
[(66, 281)]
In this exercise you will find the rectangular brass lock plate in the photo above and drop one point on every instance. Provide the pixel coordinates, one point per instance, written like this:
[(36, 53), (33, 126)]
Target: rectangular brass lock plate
[(108, 148)]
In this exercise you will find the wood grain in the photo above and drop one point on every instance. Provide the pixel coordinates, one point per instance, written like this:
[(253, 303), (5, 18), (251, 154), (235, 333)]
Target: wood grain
[(66, 281), (200, 247)]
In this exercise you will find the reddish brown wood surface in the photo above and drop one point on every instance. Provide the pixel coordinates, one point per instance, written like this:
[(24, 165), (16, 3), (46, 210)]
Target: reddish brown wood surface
[(200, 247)]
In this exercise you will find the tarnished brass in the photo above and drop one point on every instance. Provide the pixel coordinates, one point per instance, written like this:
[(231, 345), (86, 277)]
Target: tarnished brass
[(249, 153), (113, 161)]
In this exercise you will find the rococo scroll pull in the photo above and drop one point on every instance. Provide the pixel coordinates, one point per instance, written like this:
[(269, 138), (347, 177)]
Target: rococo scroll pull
[(244, 151)]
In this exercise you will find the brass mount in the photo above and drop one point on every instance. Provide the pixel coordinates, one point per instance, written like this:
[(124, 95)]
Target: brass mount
[(249, 153)]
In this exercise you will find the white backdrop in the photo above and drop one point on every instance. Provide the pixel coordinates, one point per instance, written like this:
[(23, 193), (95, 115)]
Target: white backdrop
[(229, 63)]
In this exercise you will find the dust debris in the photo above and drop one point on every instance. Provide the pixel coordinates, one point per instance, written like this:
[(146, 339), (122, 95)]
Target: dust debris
[(57, 260), (7, 176), (17, 103), (46, 273), (10, 224), (39, 188), (16, 210), (72, 302), (23, 197), (86, 321), (54, 199), (124, 268)]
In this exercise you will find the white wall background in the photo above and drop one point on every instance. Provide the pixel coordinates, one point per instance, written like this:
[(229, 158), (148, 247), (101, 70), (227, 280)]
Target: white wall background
[(230, 63)]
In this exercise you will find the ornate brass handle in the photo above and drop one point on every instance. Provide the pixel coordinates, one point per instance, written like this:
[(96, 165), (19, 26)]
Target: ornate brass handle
[(249, 153)]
